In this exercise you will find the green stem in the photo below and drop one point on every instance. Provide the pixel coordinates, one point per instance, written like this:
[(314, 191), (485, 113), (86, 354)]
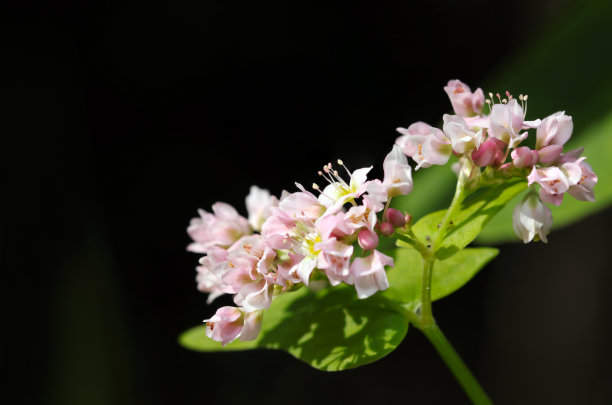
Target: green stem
[(426, 312), (463, 375), (452, 209), (425, 320)]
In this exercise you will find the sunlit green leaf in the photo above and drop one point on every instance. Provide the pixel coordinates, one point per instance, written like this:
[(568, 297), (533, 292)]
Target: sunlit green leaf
[(330, 330), (449, 275), (470, 219)]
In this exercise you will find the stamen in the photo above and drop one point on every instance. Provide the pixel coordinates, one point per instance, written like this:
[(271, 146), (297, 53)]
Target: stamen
[(341, 163), (328, 179)]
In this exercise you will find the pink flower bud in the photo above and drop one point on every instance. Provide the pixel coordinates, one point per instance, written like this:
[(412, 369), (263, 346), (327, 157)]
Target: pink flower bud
[(368, 240), (501, 145), (524, 157), (408, 219), (499, 157), (395, 218), (386, 229), (550, 153), (485, 155)]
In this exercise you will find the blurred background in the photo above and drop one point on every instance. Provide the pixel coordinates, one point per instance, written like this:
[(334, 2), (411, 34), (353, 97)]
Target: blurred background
[(121, 119)]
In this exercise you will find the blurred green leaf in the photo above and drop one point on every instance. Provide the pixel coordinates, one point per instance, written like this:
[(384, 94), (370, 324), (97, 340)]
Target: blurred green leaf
[(330, 329), (434, 188), (448, 275)]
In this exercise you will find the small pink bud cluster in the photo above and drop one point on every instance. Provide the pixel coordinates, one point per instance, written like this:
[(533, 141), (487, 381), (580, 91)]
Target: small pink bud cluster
[(300, 235), (486, 140)]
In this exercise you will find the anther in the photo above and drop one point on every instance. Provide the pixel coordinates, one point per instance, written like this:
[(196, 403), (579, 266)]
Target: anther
[(340, 162)]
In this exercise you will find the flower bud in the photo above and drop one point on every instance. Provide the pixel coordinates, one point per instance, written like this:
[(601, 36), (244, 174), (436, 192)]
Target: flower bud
[(550, 153), (408, 219), (524, 157), (395, 218), (368, 240), (485, 154), (386, 229)]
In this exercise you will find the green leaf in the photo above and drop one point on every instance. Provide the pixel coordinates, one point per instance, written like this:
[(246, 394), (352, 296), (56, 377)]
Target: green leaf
[(331, 329), (449, 275), (470, 219)]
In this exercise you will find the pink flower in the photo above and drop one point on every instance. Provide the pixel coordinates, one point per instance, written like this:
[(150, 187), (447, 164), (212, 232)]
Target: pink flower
[(554, 181), (336, 225), (506, 121), (462, 138), (583, 189), (286, 270), (298, 206), (555, 129), (530, 218), (247, 273), (255, 295), (524, 157), (258, 204), (426, 145), (220, 229), (210, 274), (230, 323), (549, 154), (334, 258), (339, 192), (398, 174), (368, 274), (465, 103)]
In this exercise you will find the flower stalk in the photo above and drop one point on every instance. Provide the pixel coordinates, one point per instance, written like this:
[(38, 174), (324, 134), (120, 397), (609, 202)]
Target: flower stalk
[(456, 365)]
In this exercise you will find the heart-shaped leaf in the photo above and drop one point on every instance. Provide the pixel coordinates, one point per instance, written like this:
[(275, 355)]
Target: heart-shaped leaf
[(330, 329), (449, 275), (470, 219)]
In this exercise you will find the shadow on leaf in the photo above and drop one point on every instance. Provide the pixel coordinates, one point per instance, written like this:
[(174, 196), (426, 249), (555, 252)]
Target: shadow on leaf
[(334, 330)]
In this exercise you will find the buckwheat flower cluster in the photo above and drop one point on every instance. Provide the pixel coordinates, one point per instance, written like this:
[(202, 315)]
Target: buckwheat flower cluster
[(493, 142), (287, 242)]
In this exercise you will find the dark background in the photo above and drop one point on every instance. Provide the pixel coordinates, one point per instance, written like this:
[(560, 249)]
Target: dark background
[(122, 119)]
